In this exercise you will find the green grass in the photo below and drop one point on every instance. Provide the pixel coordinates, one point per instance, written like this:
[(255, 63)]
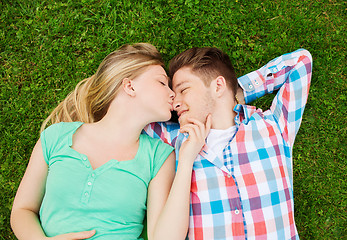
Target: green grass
[(48, 46)]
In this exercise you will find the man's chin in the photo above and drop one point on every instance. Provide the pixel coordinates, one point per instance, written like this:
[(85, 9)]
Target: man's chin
[(182, 121)]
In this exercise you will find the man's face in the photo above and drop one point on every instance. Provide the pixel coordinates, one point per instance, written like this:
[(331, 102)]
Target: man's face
[(192, 97)]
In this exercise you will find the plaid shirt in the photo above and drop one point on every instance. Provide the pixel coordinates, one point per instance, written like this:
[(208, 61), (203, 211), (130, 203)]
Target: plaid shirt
[(249, 193)]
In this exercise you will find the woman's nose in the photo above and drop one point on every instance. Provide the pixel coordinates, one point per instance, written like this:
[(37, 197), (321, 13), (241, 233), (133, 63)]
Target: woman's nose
[(172, 94)]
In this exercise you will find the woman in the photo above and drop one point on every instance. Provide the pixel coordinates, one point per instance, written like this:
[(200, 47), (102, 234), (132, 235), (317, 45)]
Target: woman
[(93, 174)]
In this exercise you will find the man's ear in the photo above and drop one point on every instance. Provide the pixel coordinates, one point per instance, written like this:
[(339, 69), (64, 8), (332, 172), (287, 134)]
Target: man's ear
[(128, 87), (219, 85)]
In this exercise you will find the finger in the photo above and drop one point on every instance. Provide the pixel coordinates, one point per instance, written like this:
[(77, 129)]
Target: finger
[(185, 127), (208, 124), (196, 122), (203, 128), (193, 131), (80, 235)]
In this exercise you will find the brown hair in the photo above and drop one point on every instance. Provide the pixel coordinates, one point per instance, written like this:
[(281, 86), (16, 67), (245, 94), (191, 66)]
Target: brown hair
[(208, 63), (92, 96)]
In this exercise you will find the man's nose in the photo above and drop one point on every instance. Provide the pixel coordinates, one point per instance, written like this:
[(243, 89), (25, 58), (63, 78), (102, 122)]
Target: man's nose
[(176, 103)]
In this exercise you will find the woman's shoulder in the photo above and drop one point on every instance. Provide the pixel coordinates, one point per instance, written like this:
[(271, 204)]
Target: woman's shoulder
[(154, 145), (61, 129), (57, 137), (154, 142), (146, 138), (157, 150), (62, 126)]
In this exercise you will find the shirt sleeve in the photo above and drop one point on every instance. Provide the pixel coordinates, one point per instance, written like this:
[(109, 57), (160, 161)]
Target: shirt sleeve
[(291, 75), (166, 131), (162, 151), (48, 139)]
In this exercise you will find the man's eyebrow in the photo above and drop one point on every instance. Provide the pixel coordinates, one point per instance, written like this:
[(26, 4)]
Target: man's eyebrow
[(180, 84)]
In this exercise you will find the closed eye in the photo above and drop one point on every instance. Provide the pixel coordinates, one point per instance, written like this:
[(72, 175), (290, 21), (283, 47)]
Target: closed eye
[(183, 89)]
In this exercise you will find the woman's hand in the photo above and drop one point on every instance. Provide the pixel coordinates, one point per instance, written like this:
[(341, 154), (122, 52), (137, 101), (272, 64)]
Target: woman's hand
[(172, 220), (74, 236), (197, 134)]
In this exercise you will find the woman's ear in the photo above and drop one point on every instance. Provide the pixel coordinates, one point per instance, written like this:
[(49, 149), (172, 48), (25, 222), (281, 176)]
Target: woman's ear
[(128, 87)]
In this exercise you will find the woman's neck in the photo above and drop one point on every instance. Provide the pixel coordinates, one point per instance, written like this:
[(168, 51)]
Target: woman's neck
[(118, 129)]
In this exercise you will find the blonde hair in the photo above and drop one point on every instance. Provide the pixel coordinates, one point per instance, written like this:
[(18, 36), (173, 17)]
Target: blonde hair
[(92, 96)]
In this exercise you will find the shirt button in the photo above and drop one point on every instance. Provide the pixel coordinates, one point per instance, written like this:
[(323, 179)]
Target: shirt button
[(84, 158), (237, 211), (93, 175), (229, 176), (256, 83), (89, 183), (250, 86), (86, 194)]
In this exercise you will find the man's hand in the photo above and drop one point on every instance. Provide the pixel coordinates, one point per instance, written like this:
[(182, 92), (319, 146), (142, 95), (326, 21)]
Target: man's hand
[(74, 236), (197, 134), (239, 96)]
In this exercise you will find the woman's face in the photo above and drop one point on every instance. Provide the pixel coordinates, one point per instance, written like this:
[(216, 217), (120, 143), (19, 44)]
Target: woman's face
[(154, 93)]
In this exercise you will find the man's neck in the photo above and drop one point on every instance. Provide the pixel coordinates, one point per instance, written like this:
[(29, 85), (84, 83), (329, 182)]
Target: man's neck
[(223, 117)]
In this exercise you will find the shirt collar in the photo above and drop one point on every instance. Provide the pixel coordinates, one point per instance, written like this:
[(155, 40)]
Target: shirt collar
[(213, 158), (243, 113)]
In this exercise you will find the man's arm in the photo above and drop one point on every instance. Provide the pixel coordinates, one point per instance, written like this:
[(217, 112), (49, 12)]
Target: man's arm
[(291, 74), (166, 131)]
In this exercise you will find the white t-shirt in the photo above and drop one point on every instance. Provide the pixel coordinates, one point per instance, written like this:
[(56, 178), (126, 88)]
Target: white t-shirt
[(217, 139)]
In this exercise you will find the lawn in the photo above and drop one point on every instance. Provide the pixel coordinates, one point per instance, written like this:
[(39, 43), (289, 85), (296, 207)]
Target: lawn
[(48, 46)]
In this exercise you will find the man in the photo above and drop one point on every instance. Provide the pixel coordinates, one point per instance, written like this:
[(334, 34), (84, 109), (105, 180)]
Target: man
[(242, 183)]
